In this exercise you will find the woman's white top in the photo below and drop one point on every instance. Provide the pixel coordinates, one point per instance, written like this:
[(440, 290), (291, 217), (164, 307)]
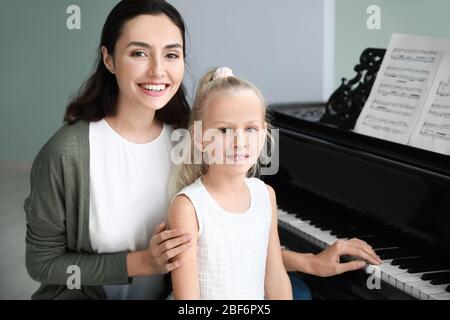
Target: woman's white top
[(128, 199), (232, 247)]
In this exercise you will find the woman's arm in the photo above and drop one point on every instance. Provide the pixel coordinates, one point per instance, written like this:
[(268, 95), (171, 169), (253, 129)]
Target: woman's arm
[(300, 262), (277, 284), (185, 281)]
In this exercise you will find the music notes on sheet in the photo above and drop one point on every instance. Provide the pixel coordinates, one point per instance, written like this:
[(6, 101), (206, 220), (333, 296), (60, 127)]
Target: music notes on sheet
[(386, 125), (436, 131), (443, 89), (412, 55), (433, 129), (440, 110), (404, 75), (399, 91), (393, 107)]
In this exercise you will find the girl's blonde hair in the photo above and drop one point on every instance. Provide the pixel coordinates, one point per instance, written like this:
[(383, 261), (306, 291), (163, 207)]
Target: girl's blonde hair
[(188, 171)]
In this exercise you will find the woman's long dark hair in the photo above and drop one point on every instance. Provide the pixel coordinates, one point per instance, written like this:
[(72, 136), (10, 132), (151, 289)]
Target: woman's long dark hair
[(98, 96)]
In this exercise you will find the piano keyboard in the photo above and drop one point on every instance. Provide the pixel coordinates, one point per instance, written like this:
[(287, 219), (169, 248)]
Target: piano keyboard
[(429, 284)]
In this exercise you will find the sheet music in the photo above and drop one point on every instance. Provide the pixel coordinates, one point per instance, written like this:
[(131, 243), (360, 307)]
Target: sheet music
[(401, 88), (432, 131)]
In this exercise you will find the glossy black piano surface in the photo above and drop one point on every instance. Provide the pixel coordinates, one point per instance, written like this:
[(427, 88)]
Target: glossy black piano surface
[(395, 197)]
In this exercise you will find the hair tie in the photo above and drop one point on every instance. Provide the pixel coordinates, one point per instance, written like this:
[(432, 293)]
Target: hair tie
[(223, 72)]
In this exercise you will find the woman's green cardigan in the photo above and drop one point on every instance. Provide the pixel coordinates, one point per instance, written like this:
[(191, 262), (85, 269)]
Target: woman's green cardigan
[(57, 214)]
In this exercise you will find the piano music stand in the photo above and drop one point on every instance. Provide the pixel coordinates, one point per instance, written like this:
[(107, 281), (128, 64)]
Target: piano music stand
[(345, 104)]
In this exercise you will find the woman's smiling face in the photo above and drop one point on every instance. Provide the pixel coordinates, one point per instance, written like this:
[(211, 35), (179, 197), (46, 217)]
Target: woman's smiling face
[(148, 62)]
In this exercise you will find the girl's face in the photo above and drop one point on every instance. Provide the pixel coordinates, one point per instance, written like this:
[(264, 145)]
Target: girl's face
[(148, 61), (234, 130)]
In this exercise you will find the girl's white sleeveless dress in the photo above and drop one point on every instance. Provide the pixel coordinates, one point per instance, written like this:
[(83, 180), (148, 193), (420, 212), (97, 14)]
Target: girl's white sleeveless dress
[(232, 247)]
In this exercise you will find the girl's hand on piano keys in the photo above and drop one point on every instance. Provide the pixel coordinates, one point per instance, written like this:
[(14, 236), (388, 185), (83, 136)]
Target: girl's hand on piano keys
[(328, 263)]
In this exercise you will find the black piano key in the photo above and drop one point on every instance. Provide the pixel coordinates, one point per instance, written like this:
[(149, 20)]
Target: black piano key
[(378, 241), (405, 261), (448, 289), (426, 268), (327, 224), (355, 234), (440, 281), (361, 233), (429, 257), (403, 251), (338, 231), (304, 217), (435, 275), (432, 263), (368, 230)]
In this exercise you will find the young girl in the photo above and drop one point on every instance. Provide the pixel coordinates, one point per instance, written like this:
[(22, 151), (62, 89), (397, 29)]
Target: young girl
[(231, 215)]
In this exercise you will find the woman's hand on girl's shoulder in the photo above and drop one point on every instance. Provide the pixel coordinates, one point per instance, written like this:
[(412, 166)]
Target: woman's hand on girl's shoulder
[(162, 254), (165, 247)]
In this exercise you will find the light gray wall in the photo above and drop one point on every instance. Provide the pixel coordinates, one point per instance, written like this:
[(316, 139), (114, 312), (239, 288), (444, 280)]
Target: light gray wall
[(278, 45)]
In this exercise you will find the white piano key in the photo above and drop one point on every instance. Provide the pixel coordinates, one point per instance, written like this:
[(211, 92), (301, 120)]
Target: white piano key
[(422, 289), (298, 224), (282, 212), (325, 237), (406, 278), (313, 233), (282, 215), (329, 239), (440, 296), (370, 269), (410, 277), (388, 268), (382, 270), (288, 218)]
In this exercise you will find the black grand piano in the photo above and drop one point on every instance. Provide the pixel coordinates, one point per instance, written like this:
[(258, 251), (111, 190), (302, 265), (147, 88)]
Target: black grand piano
[(333, 183)]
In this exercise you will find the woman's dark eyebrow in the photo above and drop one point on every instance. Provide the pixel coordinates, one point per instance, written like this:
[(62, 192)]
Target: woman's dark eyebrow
[(147, 46), (174, 46)]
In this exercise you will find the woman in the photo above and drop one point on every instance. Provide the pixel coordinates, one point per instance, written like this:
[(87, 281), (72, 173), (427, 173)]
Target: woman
[(92, 204), (96, 194)]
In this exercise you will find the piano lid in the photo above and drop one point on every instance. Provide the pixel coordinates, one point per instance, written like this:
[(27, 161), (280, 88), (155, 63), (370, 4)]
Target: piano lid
[(305, 119)]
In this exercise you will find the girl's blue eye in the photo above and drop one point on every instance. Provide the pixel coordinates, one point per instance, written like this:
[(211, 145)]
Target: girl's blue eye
[(252, 130)]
